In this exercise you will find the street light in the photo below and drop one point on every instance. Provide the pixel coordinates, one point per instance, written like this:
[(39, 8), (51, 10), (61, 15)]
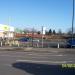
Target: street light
[(73, 20), (32, 35)]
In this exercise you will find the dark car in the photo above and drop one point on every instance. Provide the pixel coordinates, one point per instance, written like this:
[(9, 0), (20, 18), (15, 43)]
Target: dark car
[(25, 39), (71, 43)]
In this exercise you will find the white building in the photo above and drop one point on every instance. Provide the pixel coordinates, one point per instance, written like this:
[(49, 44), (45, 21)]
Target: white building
[(6, 31)]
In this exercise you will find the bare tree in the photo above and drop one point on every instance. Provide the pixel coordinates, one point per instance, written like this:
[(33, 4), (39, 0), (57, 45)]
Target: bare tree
[(59, 32), (69, 31)]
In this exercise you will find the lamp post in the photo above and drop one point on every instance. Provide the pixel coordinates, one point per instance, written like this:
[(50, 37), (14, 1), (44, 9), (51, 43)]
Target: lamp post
[(73, 20), (42, 36), (32, 35)]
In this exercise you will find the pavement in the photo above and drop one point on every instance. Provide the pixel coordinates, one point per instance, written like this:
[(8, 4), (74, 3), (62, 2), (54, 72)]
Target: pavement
[(9, 48), (37, 61)]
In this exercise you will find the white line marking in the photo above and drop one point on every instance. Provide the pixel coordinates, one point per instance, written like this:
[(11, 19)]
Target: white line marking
[(8, 65), (31, 55), (46, 55), (4, 55), (12, 55), (36, 61)]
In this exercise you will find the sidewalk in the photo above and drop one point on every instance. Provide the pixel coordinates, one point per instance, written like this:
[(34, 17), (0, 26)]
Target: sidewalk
[(35, 49)]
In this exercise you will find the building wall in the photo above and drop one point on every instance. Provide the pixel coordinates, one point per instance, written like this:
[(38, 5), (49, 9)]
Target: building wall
[(6, 31), (1, 34)]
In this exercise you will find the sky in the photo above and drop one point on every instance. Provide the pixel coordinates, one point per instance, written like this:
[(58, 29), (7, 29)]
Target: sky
[(52, 14)]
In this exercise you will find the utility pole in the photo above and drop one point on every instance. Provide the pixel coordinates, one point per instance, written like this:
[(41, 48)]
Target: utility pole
[(73, 20), (42, 36), (32, 35)]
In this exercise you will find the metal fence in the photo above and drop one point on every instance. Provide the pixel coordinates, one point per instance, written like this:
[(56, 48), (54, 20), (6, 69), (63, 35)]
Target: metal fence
[(36, 43)]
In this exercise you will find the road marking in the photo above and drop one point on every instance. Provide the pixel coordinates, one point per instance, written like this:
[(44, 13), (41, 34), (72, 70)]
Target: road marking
[(36, 61), (54, 51), (46, 55), (4, 55), (32, 56), (11, 56), (60, 55), (8, 65)]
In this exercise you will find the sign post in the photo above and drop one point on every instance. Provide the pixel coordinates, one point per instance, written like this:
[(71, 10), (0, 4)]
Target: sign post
[(43, 33)]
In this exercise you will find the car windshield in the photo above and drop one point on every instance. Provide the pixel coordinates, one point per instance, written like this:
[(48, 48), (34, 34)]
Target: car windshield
[(37, 37)]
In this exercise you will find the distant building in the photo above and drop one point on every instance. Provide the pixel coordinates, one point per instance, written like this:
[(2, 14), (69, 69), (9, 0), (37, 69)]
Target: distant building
[(6, 31)]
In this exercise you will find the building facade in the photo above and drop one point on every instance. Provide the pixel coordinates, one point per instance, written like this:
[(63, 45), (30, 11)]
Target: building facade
[(6, 31)]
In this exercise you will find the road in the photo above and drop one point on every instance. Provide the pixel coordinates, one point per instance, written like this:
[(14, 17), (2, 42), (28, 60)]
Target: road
[(36, 63)]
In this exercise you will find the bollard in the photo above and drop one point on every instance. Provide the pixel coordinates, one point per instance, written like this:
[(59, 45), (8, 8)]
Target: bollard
[(58, 45), (37, 45), (1, 43), (18, 44)]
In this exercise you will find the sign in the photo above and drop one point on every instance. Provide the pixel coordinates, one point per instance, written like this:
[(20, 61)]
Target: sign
[(4, 27)]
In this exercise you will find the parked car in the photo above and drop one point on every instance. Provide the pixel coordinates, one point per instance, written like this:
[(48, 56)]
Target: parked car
[(25, 39), (71, 43)]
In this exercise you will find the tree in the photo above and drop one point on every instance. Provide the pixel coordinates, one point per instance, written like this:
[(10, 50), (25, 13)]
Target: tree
[(54, 32), (50, 32), (38, 32), (47, 33), (59, 32), (24, 31), (69, 31)]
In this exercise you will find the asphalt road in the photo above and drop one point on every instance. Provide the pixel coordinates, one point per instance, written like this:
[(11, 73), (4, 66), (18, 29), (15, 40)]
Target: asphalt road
[(37, 63)]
